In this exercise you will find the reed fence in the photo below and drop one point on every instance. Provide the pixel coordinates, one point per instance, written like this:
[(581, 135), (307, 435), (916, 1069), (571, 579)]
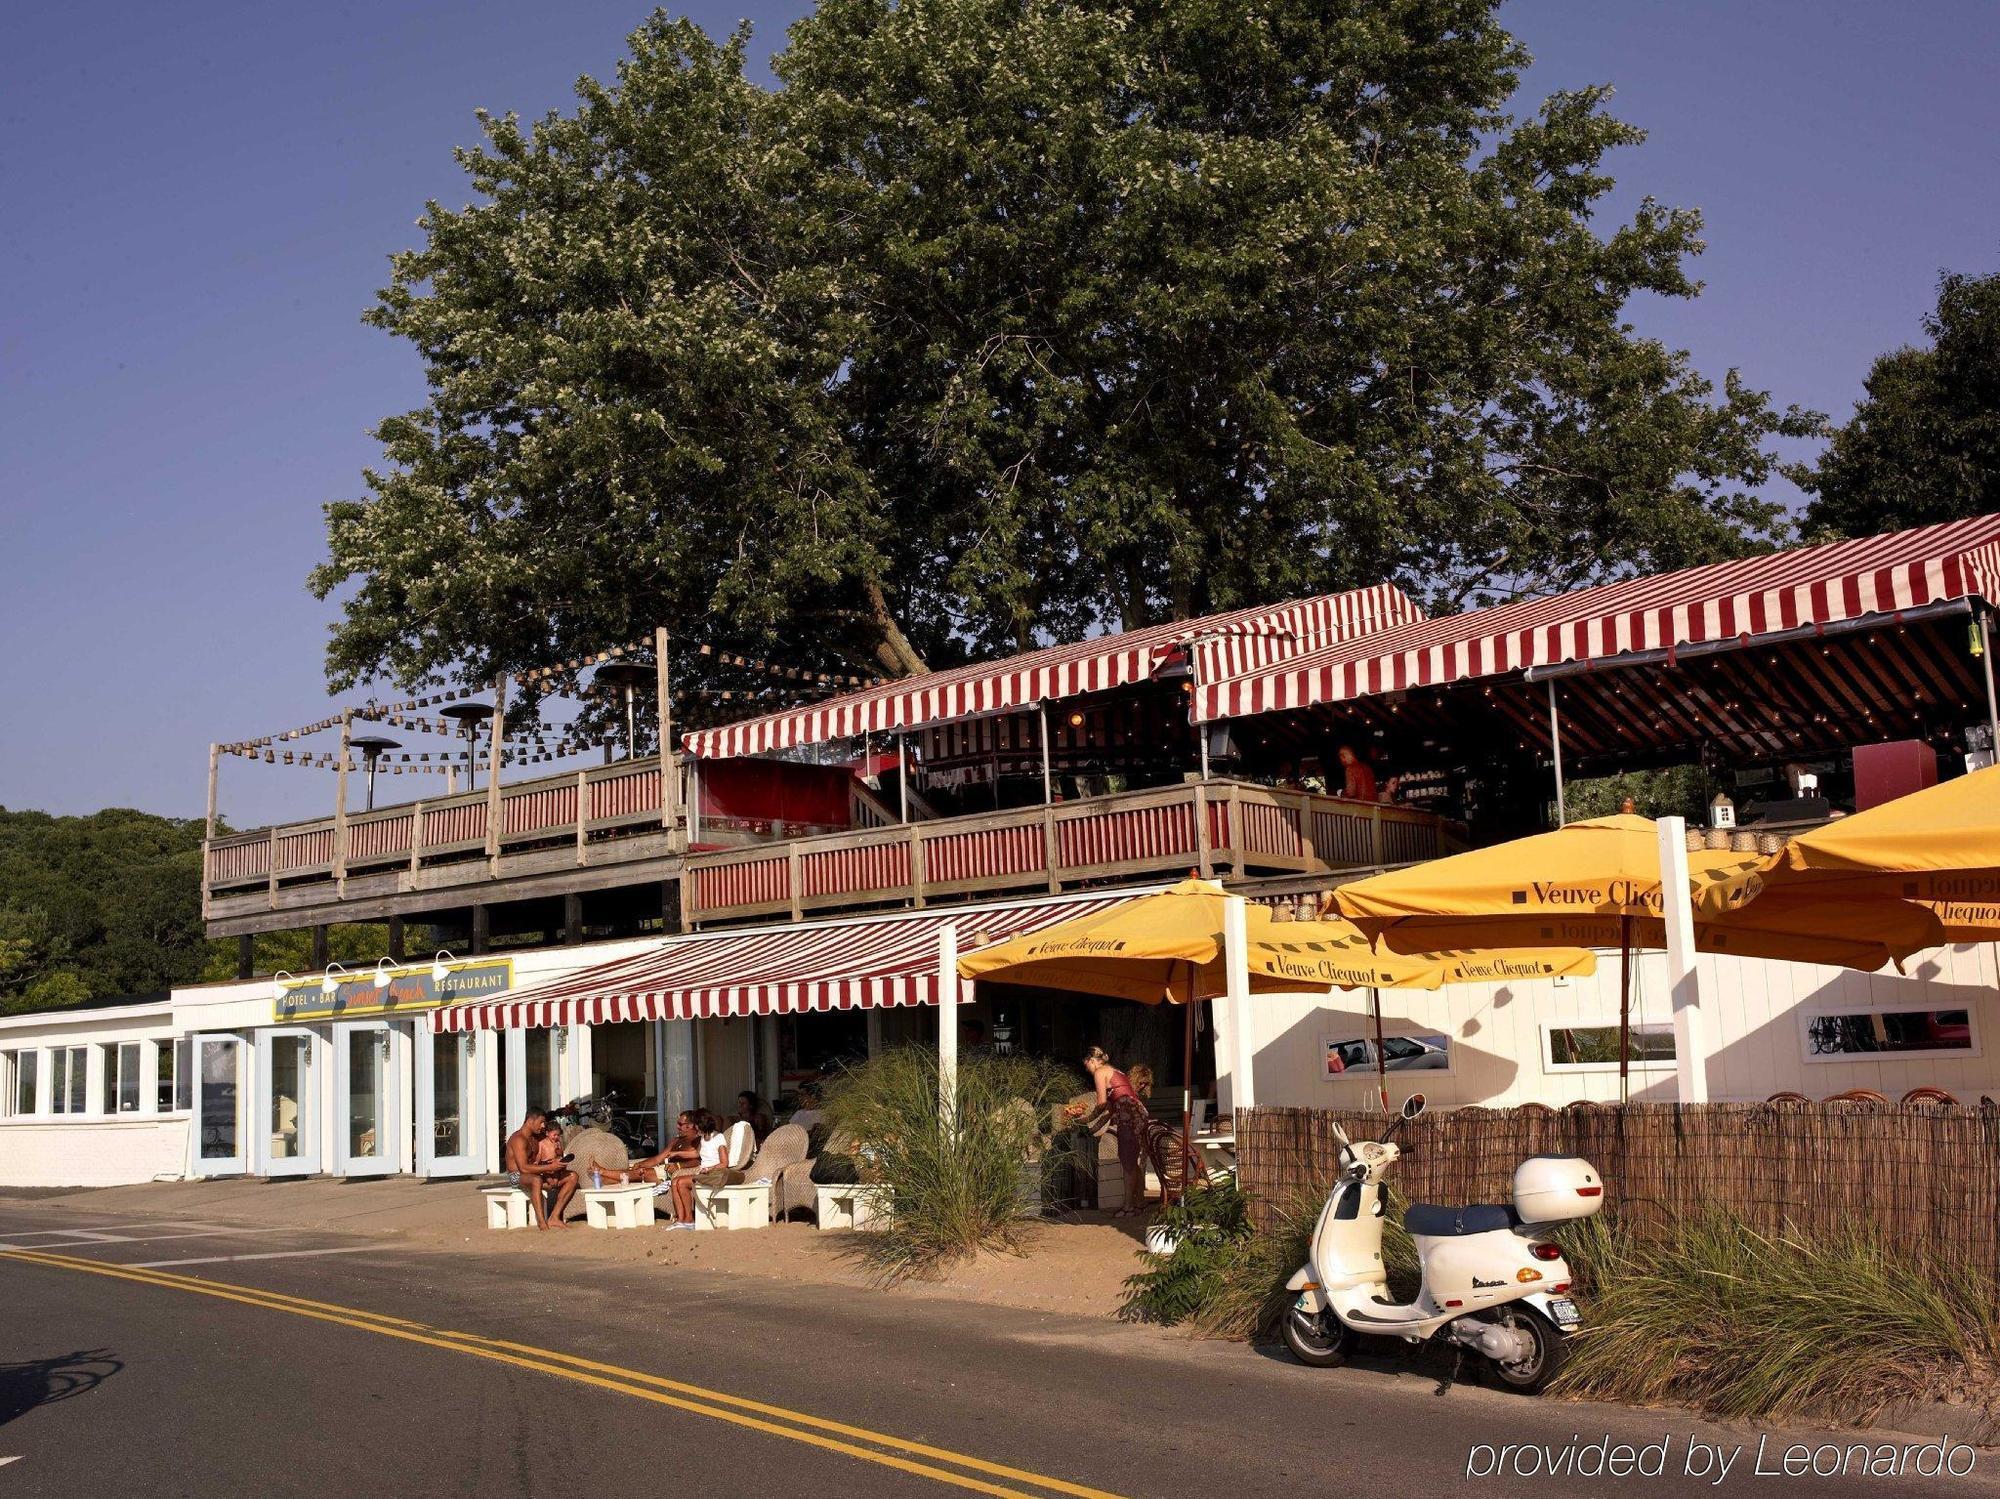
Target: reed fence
[(1927, 1176)]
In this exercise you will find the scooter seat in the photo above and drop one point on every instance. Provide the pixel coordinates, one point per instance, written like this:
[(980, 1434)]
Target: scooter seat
[(1435, 1222)]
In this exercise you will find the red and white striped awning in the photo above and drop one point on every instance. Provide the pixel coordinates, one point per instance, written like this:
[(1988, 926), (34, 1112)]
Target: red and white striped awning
[(1743, 598), (841, 965), (1220, 642)]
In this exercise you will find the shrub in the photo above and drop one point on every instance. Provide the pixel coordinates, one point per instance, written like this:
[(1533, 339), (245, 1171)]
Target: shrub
[(1710, 1314), (1233, 1286), (954, 1191)]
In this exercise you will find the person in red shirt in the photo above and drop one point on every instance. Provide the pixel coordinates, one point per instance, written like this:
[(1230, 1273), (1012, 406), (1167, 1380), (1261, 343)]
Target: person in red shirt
[(1359, 784)]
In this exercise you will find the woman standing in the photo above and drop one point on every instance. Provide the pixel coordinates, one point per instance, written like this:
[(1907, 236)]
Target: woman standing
[(1129, 1120)]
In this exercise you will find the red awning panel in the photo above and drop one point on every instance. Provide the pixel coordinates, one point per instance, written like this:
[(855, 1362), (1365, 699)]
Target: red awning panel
[(1265, 633), (883, 960), (1746, 597)]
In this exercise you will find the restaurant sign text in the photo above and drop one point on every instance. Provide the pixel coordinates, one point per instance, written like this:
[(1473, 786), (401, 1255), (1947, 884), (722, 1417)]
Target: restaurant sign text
[(409, 991)]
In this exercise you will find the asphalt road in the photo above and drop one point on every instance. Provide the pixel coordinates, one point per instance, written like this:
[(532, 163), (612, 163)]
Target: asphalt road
[(166, 1358)]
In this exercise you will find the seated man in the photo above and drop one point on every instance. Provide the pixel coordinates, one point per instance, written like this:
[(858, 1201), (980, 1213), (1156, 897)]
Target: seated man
[(682, 1150), (534, 1163)]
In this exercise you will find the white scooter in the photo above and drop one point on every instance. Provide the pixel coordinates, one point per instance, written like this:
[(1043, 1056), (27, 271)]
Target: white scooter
[(1493, 1282)]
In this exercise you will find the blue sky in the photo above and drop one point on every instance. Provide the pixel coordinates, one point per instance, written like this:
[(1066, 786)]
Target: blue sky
[(199, 200)]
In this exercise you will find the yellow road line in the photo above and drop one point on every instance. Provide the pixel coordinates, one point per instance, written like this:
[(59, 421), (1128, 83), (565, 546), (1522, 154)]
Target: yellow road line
[(612, 1377)]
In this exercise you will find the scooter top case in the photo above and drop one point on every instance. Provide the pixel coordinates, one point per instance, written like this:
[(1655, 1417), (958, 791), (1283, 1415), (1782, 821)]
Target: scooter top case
[(1556, 1189)]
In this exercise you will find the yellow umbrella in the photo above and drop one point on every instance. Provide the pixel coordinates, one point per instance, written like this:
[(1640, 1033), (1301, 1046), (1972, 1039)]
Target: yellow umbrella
[(1939, 847), (1597, 884)]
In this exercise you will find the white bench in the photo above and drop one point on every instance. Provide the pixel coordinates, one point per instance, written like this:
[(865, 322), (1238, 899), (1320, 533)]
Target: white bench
[(850, 1204), (746, 1205), (507, 1207), (628, 1206)]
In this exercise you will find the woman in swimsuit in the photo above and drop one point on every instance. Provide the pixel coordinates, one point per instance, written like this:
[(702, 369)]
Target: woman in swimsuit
[(1129, 1120)]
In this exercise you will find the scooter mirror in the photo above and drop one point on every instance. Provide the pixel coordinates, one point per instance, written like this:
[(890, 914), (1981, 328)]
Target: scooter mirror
[(1413, 1105)]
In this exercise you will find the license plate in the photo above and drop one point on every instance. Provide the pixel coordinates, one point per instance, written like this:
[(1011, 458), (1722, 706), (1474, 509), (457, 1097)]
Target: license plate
[(1564, 1311)]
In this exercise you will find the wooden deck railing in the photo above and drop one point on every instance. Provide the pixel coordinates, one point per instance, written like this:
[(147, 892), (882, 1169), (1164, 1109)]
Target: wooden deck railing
[(615, 814), (605, 799), (1212, 827)]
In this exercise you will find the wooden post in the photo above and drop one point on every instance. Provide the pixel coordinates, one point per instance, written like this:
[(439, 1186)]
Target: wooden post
[(416, 835), (1232, 813), (794, 878), (919, 866), (214, 775), (274, 869), (482, 929), (583, 810), (670, 779), (497, 728), (340, 804), (1375, 833), (572, 919), (902, 777), (319, 947), (688, 913), (1307, 849), (208, 826), (246, 956), (1051, 847), (396, 939)]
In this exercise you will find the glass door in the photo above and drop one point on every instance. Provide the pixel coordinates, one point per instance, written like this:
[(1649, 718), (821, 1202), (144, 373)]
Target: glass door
[(365, 1091), (219, 1135), (287, 1134), (449, 1119)]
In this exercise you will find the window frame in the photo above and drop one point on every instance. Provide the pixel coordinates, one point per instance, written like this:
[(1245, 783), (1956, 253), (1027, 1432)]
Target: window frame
[(1553, 1068), (1820, 1011), (69, 1078)]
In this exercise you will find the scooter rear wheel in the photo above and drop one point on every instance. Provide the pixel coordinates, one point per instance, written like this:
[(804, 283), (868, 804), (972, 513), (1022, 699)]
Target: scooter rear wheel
[(1532, 1373), (1319, 1340)]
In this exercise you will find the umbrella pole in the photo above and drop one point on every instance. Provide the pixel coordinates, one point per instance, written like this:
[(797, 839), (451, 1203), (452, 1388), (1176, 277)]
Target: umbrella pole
[(1187, 1093), (1381, 1061), (1624, 1009)]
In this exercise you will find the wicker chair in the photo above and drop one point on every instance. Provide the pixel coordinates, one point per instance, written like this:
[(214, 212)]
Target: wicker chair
[(795, 1185), (782, 1152)]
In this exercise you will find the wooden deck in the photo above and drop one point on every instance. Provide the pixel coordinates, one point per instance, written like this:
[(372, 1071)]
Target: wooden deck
[(610, 827)]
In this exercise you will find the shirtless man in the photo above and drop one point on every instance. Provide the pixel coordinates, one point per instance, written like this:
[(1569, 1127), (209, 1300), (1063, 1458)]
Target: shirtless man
[(549, 1184)]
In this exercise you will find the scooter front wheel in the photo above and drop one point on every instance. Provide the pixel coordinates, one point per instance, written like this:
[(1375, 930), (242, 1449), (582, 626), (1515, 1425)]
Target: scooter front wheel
[(1532, 1371), (1319, 1340)]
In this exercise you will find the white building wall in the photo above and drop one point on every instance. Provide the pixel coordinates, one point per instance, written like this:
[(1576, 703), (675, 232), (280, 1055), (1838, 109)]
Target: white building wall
[(1758, 1014)]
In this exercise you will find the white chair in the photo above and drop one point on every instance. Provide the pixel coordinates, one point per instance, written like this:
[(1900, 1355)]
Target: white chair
[(745, 1205), (507, 1207)]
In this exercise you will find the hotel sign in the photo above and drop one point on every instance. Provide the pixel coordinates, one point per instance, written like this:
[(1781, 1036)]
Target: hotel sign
[(410, 991)]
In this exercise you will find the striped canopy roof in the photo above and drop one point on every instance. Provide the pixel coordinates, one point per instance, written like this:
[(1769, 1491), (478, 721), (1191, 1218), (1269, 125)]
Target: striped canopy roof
[(1220, 643), (1743, 598), (840, 965)]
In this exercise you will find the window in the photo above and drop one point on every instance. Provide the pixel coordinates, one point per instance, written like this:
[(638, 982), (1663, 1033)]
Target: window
[(127, 1097), (19, 1071), (69, 1080), (184, 1073), (1344, 1055), (1594, 1048), (1854, 1035), (171, 1074)]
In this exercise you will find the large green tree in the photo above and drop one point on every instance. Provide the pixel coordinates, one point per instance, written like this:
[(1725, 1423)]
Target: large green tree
[(1007, 319), (1923, 444)]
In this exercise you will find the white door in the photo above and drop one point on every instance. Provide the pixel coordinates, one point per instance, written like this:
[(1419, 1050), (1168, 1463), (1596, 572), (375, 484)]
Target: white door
[(220, 1133), (450, 1121), (285, 1136), (366, 1096)]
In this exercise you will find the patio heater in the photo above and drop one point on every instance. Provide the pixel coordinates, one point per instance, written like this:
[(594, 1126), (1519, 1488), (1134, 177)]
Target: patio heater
[(468, 717), (624, 677), (372, 747)]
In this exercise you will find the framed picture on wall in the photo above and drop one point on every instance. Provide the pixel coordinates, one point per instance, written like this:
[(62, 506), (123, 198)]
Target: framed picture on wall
[(1350, 1055)]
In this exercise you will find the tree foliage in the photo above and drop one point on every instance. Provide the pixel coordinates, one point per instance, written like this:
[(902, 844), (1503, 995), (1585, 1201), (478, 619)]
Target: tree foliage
[(1004, 320), (1923, 444), (107, 904)]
